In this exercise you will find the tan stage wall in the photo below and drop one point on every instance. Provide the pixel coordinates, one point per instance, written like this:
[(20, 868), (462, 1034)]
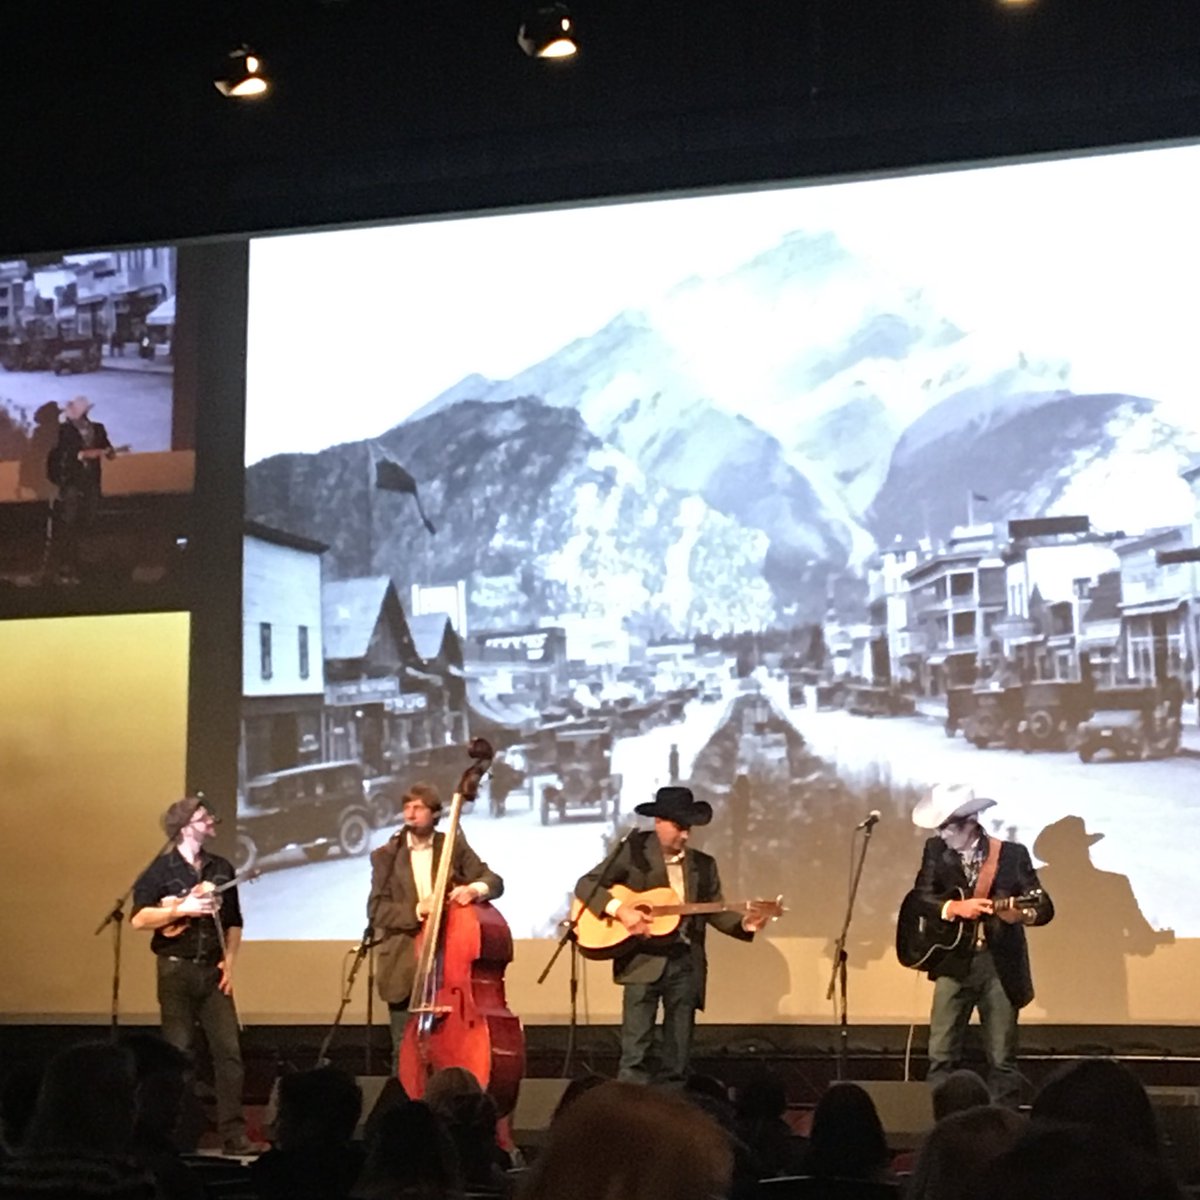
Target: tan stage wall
[(93, 719), (93, 727)]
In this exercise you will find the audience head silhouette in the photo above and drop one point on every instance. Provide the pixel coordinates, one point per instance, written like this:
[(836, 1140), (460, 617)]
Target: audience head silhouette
[(847, 1139), (1104, 1095), (86, 1104), (1074, 1162), (664, 1148), (959, 1150), (958, 1091), (410, 1155), (317, 1108)]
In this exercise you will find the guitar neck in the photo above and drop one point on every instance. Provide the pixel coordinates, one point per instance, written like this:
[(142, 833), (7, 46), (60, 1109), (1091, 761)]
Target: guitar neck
[(688, 910)]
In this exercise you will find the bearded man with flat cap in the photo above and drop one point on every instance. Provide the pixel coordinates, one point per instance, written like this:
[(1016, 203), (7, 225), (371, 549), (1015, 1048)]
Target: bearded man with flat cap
[(196, 933), (988, 969), (670, 971)]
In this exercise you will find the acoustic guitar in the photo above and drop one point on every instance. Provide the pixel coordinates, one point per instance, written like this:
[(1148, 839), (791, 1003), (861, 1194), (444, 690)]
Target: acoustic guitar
[(923, 941), (101, 452), (605, 937), (204, 888)]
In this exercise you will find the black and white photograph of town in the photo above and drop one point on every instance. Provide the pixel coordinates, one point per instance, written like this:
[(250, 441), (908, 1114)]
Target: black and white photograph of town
[(806, 498), (88, 341)]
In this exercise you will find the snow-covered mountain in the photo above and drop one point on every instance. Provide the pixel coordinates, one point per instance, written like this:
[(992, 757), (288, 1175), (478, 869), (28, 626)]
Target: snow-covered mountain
[(535, 512), (822, 406), (777, 391), (1109, 457)]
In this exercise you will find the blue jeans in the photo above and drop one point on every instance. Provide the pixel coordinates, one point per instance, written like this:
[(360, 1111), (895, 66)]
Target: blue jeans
[(953, 1002), (677, 990)]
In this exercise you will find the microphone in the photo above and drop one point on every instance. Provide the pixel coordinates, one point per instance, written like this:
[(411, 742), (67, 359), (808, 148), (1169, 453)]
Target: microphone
[(872, 820)]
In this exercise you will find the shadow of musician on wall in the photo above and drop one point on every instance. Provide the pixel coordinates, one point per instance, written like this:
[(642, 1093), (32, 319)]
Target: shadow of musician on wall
[(32, 480), (1079, 959)]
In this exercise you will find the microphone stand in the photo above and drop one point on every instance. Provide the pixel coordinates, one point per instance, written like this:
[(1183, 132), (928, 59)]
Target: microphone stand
[(365, 950), (837, 977), (116, 918), (568, 928)]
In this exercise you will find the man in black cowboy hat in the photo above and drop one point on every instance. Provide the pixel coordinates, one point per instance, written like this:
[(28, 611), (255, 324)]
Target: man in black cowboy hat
[(989, 967), (669, 971)]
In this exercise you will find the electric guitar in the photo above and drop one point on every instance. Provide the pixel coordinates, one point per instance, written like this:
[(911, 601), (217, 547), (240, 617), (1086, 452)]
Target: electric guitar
[(204, 888), (605, 937), (923, 941)]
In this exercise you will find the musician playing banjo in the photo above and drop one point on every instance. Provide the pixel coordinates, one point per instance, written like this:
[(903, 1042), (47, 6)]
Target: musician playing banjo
[(196, 936), (670, 971), (966, 876)]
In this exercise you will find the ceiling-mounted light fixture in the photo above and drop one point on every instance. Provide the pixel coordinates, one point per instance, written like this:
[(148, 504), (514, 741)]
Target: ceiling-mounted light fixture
[(548, 31), (243, 77)]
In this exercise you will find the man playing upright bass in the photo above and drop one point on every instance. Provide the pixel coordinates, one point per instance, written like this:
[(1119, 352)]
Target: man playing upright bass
[(402, 877)]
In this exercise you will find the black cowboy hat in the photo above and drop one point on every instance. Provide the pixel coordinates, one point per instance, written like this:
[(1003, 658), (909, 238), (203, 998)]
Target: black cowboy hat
[(677, 804)]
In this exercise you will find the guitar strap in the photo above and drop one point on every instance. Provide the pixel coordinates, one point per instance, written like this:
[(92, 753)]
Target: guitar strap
[(987, 873)]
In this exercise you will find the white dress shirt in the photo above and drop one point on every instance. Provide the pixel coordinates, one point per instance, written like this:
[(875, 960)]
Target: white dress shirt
[(420, 855)]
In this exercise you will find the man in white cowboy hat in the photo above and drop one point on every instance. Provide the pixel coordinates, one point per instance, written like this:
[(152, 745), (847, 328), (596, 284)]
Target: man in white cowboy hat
[(671, 971), (963, 872)]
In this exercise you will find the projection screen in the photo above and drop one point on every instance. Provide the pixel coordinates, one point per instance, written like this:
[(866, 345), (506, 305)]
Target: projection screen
[(729, 490)]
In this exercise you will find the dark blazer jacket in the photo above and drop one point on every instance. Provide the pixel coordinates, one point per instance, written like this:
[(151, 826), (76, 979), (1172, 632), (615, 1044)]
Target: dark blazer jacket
[(63, 467), (393, 905), (942, 871), (640, 866)]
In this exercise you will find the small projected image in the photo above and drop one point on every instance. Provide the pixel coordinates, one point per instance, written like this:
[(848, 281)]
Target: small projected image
[(96, 445)]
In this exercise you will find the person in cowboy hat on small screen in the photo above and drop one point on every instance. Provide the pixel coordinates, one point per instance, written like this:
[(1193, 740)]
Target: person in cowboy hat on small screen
[(989, 969), (669, 971)]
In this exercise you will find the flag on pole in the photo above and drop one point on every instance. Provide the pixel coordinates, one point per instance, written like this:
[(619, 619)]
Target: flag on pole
[(392, 477), (979, 498)]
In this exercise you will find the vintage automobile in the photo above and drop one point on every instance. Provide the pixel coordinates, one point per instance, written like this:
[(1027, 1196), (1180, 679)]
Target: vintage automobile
[(960, 704), (995, 716), (315, 808), (580, 755), (1052, 710), (1130, 723), (865, 700), (76, 359)]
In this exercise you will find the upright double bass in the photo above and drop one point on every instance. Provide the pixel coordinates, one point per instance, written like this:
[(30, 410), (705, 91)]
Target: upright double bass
[(458, 1015)]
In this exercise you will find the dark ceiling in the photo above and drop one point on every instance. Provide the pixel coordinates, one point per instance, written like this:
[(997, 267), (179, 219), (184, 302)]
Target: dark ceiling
[(386, 108)]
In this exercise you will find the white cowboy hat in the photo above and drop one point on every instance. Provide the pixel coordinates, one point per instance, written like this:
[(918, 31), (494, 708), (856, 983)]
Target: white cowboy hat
[(946, 802)]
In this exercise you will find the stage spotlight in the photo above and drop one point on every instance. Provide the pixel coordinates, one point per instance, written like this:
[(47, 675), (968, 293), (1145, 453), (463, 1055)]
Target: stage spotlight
[(243, 77), (548, 31)]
